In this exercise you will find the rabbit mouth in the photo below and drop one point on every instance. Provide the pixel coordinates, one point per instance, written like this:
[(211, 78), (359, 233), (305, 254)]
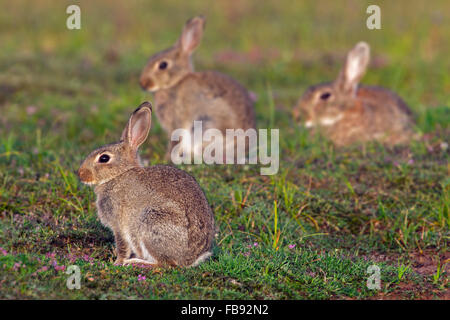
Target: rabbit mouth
[(325, 121), (148, 84), (86, 176), (329, 121)]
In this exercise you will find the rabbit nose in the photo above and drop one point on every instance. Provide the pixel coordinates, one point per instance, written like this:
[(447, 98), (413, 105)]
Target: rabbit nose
[(146, 83), (85, 175)]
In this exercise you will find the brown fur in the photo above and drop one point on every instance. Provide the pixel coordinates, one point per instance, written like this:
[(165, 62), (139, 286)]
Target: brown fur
[(183, 96), (352, 113), (159, 211)]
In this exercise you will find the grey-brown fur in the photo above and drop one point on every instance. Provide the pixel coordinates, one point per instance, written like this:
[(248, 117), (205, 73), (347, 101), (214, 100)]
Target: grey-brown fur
[(348, 113), (183, 96), (159, 214)]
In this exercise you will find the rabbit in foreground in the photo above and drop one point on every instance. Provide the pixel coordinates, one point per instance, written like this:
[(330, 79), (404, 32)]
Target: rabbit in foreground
[(347, 113), (159, 214), (183, 96)]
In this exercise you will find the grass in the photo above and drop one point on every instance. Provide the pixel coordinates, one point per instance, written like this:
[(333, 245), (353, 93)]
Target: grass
[(309, 232)]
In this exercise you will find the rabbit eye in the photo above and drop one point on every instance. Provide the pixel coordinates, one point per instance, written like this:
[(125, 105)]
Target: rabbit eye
[(104, 158), (163, 65), (325, 96)]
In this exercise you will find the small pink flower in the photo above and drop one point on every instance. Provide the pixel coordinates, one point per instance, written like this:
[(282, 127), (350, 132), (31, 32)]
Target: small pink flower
[(246, 254), (42, 269), (253, 96), (3, 251), (31, 110), (59, 268), (411, 161), (255, 244), (50, 255), (87, 258), (291, 246), (141, 278), (17, 265)]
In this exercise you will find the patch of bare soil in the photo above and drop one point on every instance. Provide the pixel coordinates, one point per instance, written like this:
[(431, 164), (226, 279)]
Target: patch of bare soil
[(424, 263), (5, 92)]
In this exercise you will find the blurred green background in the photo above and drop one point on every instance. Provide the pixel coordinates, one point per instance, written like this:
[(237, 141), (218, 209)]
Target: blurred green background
[(287, 44), (318, 224)]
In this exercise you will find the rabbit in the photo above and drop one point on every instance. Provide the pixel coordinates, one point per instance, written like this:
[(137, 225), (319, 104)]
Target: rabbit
[(182, 96), (348, 113), (159, 214)]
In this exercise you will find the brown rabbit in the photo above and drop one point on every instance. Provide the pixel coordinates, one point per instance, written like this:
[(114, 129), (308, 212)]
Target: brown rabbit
[(159, 214), (183, 96), (347, 113)]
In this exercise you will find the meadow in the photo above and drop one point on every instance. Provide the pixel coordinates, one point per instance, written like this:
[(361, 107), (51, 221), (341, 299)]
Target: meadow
[(309, 232)]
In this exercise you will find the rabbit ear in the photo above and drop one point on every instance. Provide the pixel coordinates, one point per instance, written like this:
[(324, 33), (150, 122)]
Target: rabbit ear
[(192, 34), (138, 126), (354, 68)]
